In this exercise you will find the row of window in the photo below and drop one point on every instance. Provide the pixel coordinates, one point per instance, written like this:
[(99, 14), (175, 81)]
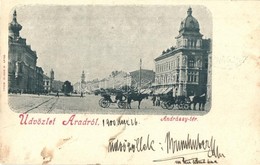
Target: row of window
[(167, 66), (190, 43), (171, 65), (46, 83), (191, 77)]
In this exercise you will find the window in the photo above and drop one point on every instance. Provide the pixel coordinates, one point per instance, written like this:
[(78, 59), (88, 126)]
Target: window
[(191, 62), (192, 77)]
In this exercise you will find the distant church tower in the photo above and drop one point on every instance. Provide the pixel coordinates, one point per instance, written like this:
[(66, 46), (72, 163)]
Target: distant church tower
[(83, 83), (83, 76)]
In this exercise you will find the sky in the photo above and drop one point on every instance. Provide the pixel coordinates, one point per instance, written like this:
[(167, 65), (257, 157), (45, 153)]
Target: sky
[(101, 39)]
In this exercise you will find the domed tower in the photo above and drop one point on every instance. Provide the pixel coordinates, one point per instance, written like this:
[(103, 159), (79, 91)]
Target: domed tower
[(193, 59), (189, 33), (14, 27)]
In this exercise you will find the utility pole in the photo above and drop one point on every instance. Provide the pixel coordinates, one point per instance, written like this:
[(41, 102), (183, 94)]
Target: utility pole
[(140, 76)]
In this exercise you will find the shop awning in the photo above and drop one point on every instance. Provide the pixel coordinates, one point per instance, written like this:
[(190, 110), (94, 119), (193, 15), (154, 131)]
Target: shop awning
[(167, 90), (159, 91), (145, 91)]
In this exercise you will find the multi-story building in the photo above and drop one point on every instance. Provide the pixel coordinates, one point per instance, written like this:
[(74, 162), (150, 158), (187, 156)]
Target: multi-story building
[(48, 82), (22, 72), (103, 83), (184, 68), (39, 80), (116, 80), (143, 76)]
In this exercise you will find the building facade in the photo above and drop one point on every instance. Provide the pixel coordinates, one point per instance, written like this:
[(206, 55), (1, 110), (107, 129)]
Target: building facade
[(48, 82), (22, 70), (39, 80), (184, 68), (145, 76), (116, 80)]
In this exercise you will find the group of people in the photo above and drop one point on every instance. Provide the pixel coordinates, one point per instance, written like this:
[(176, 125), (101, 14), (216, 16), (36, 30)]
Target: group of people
[(156, 100)]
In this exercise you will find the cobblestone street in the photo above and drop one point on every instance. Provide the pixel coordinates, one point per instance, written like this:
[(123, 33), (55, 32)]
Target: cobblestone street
[(87, 105)]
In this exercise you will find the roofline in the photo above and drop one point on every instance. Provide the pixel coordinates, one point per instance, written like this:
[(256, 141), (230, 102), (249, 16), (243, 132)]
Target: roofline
[(142, 70), (172, 53)]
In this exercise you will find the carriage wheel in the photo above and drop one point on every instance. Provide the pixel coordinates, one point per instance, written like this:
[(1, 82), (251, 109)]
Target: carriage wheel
[(170, 105), (163, 105), (105, 103), (186, 106), (180, 106), (100, 101), (121, 104)]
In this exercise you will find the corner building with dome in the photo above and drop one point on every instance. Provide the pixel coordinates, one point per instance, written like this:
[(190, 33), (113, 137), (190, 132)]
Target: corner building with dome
[(184, 68)]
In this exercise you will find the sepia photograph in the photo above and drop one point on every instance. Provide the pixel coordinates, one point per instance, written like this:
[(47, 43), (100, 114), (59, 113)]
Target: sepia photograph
[(110, 59)]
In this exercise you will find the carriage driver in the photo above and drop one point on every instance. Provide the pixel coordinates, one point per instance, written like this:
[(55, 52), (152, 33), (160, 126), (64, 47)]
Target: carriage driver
[(119, 96), (106, 95)]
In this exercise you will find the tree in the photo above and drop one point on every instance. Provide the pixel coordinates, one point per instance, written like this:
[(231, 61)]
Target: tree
[(115, 73), (67, 87)]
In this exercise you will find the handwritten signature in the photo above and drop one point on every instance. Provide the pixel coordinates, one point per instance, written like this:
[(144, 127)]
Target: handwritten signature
[(183, 160), (171, 146)]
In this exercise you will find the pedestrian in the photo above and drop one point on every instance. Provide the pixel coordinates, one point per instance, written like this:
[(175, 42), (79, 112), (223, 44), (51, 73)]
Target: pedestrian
[(57, 95), (154, 99), (158, 101), (81, 94)]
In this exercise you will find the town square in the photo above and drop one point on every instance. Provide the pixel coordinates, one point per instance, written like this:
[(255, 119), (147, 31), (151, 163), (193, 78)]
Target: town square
[(94, 63)]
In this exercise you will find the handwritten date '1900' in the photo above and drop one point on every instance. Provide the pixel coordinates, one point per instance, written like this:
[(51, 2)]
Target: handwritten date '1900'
[(172, 146)]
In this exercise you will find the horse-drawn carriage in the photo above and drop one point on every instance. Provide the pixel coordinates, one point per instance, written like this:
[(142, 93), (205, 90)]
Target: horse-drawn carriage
[(178, 102), (168, 101), (123, 100), (106, 100), (184, 103)]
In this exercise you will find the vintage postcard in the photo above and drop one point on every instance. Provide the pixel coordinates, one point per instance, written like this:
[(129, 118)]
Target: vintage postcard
[(129, 83)]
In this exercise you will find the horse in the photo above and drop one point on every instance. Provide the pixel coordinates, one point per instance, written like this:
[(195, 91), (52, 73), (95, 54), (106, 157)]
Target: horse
[(135, 97), (198, 99)]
